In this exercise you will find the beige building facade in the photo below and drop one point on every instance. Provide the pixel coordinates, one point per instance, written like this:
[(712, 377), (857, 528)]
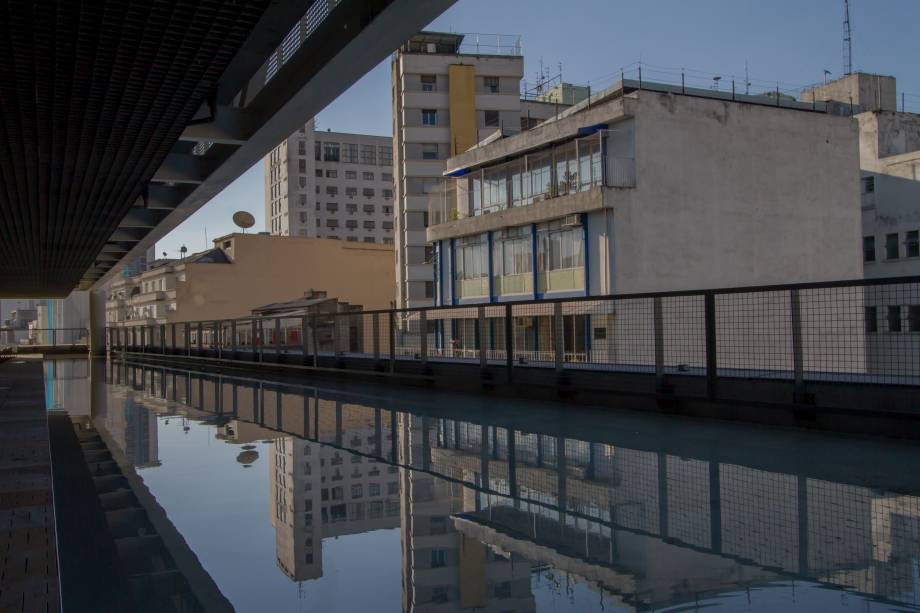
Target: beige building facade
[(245, 271)]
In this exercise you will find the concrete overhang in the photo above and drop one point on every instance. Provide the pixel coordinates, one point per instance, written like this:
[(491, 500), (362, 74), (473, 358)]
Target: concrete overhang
[(540, 137), (545, 210), (246, 119)]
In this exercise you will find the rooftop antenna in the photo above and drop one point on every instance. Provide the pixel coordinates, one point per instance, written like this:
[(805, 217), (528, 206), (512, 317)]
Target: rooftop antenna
[(847, 40), (747, 80)]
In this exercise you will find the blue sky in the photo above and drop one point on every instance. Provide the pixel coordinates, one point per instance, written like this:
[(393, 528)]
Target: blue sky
[(787, 41)]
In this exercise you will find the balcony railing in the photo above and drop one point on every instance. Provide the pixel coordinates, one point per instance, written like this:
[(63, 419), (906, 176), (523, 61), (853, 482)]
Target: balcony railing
[(568, 168)]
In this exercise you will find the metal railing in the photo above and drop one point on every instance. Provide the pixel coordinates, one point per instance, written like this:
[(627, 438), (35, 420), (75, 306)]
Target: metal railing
[(863, 331), (25, 340)]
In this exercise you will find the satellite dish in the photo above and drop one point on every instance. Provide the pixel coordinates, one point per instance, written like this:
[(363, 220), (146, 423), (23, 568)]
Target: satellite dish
[(244, 219)]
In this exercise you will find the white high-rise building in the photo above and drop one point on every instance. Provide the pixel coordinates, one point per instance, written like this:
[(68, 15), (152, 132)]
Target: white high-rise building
[(330, 185), (450, 91)]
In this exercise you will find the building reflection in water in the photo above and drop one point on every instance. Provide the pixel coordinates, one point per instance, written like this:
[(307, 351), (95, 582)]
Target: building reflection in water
[(490, 512)]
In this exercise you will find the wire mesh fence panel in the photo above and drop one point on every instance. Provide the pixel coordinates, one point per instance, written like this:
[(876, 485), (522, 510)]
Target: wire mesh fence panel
[(834, 333), (622, 334), (532, 334), (889, 316), (683, 334), (754, 334)]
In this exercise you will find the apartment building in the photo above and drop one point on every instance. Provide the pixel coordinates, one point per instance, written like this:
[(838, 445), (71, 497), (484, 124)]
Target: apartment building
[(645, 190), (450, 91), (244, 271), (889, 161), (331, 185)]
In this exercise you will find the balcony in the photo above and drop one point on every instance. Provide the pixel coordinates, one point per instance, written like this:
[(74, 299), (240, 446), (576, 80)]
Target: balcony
[(568, 168)]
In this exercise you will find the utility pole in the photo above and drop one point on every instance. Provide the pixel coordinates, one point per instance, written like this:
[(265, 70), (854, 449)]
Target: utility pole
[(847, 39)]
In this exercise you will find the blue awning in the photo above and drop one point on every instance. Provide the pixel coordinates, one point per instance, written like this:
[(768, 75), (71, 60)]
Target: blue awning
[(589, 130)]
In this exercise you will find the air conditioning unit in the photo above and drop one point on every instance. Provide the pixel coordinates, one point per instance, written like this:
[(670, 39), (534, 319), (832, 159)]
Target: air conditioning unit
[(571, 220)]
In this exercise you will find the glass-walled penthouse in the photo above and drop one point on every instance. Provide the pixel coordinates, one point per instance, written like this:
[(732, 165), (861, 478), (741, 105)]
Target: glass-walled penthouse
[(547, 255)]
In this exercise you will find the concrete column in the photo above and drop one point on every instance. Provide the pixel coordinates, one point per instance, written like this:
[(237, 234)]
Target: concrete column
[(97, 322)]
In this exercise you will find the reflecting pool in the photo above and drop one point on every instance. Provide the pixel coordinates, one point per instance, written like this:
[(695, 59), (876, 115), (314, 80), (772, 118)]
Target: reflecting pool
[(329, 496)]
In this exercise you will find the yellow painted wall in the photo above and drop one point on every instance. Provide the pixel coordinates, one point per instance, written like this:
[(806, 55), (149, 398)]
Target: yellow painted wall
[(462, 101), (270, 269)]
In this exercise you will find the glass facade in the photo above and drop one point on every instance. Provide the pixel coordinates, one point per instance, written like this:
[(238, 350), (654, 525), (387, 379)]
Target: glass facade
[(512, 262), (471, 266), (560, 257)]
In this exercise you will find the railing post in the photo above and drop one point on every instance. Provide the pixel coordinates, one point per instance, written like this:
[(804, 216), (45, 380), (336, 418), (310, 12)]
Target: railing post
[(188, 338), (261, 337), (659, 343), (392, 325), (558, 336), (483, 352), (233, 338), (335, 335), (162, 339), (712, 374), (509, 342), (315, 336), (303, 338), (200, 338), (798, 366), (172, 334), (423, 337), (219, 337), (278, 345), (375, 318)]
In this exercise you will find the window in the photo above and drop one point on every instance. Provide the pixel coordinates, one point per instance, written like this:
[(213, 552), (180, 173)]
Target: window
[(331, 173), (491, 119), (471, 266), (318, 150), (439, 594), (894, 318), (369, 208), (490, 84), (368, 154), (871, 319), (560, 255), (350, 153), (332, 207), (357, 491), (332, 223), (429, 117), (367, 176), (351, 174), (503, 590), (302, 165), (351, 207), (912, 244), (368, 192), (302, 182), (351, 192), (868, 185), (369, 225), (301, 148), (332, 190), (868, 249), (913, 318), (387, 225), (351, 224), (438, 558), (387, 210), (388, 193), (512, 261), (331, 152), (393, 487), (430, 151), (385, 153), (373, 489), (319, 173), (891, 246), (387, 177), (429, 289), (429, 83), (303, 200)]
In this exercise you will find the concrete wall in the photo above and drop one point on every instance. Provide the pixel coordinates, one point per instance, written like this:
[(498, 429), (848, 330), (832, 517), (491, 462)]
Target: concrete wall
[(733, 194), (273, 269), (869, 92)]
